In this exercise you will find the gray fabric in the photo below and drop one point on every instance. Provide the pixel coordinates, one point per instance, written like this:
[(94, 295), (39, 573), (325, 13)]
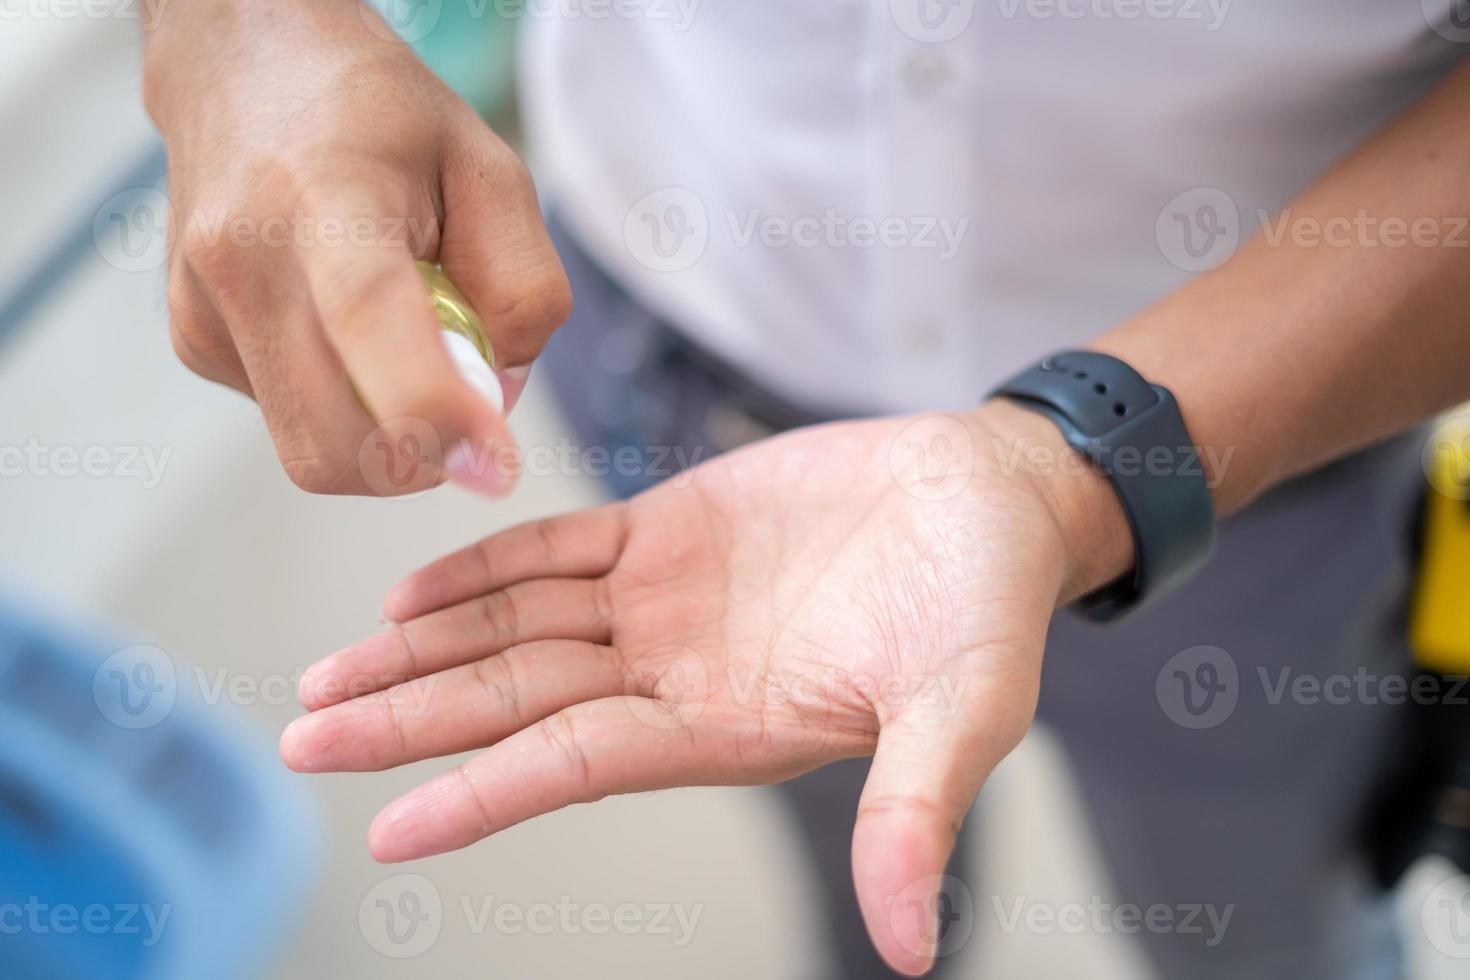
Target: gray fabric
[(1256, 809)]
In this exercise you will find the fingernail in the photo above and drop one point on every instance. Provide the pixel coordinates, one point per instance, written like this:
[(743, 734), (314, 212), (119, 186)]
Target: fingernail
[(513, 382), (477, 471)]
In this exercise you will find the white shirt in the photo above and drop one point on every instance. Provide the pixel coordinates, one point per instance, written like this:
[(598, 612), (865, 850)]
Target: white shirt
[(890, 205)]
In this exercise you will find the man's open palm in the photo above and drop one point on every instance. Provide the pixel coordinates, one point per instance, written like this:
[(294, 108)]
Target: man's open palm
[(876, 587)]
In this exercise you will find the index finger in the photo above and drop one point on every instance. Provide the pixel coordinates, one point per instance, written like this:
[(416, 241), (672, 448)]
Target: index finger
[(578, 755), (582, 544), (377, 315)]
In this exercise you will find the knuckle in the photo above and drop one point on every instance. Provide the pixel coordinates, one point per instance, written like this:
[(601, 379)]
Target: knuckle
[(314, 472), (194, 337), (154, 89), (499, 610), (410, 654), (916, 808), (206, 254), (471, 793), (484, 166), (436, 408), (531, 308), (511, 165), (232, 227), (602, 599), (514, 175), (548, 541), (186, 351), (350, 184), (308, 474), (395, 725), (557, 296), (352, 297), (560, 735), (497, 679)]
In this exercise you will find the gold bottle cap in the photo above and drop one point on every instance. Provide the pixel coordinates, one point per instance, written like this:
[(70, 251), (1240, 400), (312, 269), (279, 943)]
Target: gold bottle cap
[(453, 310), (464, 335)]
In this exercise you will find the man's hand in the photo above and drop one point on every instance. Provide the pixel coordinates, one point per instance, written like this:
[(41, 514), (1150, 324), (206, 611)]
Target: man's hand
[(311, 160), (863, 588)]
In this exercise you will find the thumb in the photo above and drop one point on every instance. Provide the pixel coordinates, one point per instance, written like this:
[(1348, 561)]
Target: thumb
[(496, 249), (923, 779)]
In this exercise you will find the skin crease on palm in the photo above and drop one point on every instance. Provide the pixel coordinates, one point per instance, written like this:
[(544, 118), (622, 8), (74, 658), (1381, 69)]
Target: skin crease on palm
[(646, 644)]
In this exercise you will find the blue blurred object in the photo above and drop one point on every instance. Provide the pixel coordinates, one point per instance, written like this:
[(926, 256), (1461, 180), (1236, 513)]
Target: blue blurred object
[(141, 835)]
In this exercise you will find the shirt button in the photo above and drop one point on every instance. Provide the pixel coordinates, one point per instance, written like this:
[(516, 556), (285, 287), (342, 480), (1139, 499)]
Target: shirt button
[(925, 72)]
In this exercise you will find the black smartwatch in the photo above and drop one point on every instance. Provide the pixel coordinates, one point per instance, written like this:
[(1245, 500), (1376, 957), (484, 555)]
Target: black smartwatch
[(1132, 431)]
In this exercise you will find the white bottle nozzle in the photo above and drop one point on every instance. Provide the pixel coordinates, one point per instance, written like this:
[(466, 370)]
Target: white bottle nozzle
[(472, 367)]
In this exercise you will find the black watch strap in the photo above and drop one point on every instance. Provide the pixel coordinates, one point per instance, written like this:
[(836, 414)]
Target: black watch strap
[(1132, 431)]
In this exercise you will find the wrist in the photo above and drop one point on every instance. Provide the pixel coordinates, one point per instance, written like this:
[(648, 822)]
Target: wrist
[(179, 42), (192, 48), (1097, 541)]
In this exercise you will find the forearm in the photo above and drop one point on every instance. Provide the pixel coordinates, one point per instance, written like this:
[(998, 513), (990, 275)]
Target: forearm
[(1306, 346), (1298, 351)]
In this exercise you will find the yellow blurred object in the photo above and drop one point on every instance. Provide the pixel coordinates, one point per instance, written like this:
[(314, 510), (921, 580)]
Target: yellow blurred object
[(1439, 628), (453, 310)]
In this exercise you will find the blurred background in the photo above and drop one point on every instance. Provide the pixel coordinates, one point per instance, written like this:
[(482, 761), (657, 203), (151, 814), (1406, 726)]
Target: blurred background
[(162, 586)]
